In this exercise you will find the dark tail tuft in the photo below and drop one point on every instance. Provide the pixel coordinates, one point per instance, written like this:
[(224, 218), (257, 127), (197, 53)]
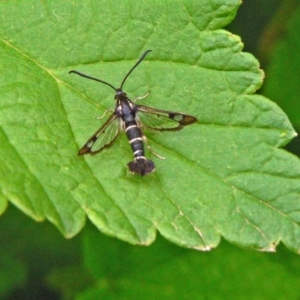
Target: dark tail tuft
[(141, 166)]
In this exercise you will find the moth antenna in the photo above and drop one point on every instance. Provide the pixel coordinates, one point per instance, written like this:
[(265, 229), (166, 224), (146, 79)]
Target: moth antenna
[(93, 78), (137, 63)]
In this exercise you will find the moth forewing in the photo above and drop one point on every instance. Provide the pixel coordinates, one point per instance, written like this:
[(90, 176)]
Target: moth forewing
[(103, 137), (186, 119), (163, 120)]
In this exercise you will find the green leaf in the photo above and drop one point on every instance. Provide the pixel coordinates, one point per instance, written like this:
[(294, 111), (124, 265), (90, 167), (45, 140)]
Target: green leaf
[(223, 176)]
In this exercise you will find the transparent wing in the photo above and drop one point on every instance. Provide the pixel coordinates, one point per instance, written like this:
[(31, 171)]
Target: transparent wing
[(163, 119), (102, 138)]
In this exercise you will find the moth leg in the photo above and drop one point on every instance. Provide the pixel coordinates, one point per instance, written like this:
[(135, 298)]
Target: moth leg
[(150, 149), (141, 97), (102, 116)]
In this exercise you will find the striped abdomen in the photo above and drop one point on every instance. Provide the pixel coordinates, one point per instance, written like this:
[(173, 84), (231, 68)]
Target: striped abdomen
[(135, 138), (140, 165)]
